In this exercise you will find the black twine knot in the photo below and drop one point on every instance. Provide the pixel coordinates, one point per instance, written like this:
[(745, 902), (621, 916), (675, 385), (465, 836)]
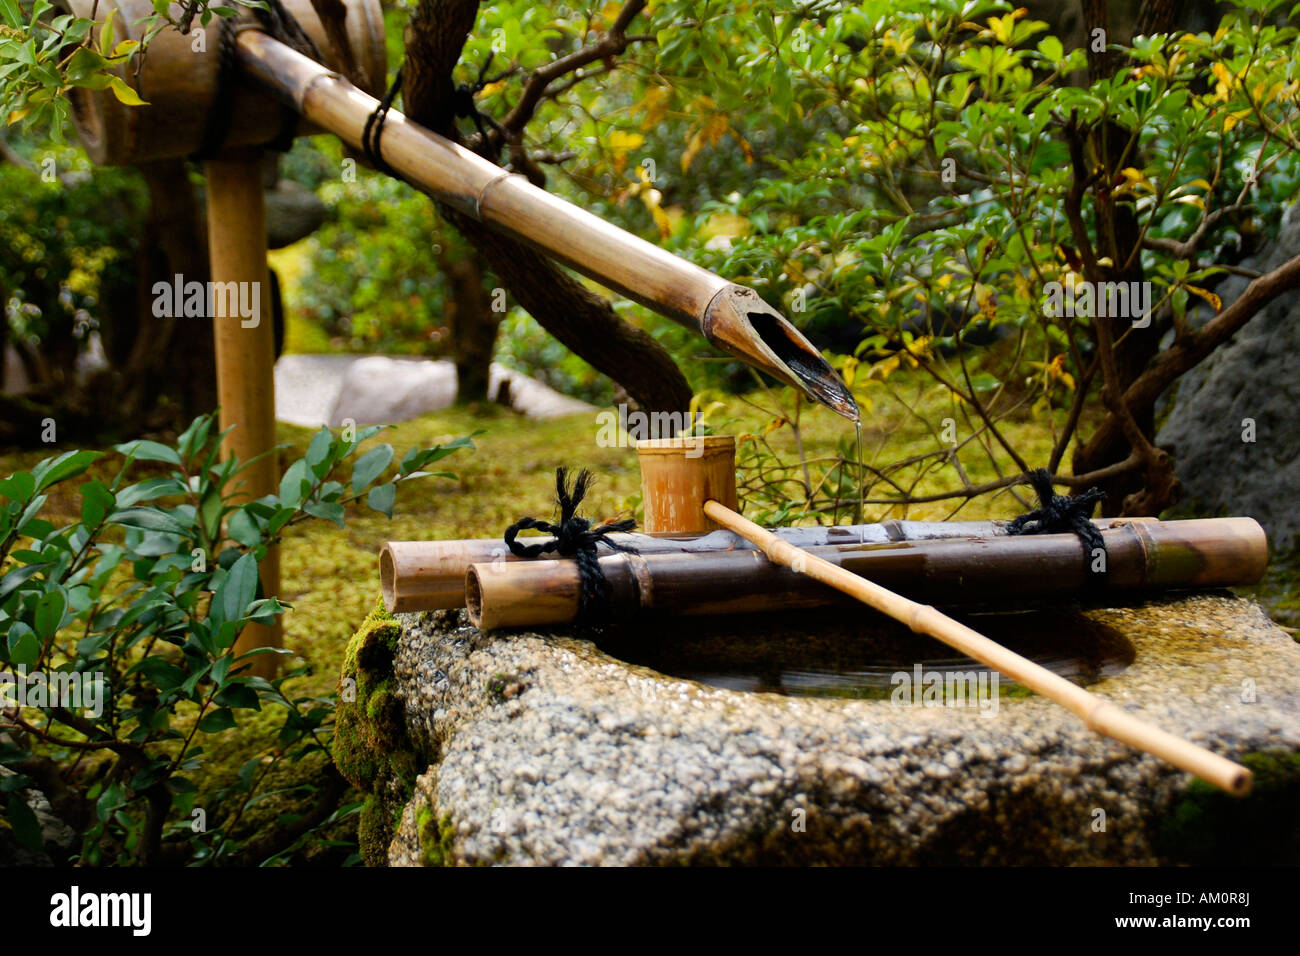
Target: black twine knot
[(273, 19), (1058, 514), (575, 538), (374, 128)]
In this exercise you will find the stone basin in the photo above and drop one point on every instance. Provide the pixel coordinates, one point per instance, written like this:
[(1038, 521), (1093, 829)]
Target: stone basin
[(778, 740)]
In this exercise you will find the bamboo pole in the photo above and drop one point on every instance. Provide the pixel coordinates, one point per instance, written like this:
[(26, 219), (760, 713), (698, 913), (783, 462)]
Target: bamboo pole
[(1098, 714), (1216, 552), (430, 575), (732, 317), (246, 354)]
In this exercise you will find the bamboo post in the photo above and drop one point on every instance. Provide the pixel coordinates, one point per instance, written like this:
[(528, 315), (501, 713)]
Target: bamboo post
[(245, 353), (1098, 714)]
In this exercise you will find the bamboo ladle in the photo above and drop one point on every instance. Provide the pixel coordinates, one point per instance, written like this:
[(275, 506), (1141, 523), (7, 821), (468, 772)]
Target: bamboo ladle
[(693, 481)]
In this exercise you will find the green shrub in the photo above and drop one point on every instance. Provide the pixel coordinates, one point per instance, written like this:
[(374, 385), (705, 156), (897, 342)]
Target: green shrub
[(144, 597)]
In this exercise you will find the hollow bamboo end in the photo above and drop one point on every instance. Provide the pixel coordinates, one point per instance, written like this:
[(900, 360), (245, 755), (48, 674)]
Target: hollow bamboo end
[(740, 322), (1210, 552), (474, 598), (1241, 783)]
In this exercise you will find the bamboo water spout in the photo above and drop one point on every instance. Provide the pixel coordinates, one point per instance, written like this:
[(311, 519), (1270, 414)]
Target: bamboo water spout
[(730, 316), (185, 90)]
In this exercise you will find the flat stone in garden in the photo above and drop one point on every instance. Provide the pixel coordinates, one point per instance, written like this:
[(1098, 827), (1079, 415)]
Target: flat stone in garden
[(315, 390)]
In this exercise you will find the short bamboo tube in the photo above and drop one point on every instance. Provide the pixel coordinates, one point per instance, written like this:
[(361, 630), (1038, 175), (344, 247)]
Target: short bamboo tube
[(679, 474), (246, 357), (1098, 714)]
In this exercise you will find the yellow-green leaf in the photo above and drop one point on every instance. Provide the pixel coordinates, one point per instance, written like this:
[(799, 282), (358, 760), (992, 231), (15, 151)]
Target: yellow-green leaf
[(124, 92)]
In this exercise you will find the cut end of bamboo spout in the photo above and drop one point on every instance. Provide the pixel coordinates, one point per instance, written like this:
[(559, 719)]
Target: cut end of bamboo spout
[(740, 322)]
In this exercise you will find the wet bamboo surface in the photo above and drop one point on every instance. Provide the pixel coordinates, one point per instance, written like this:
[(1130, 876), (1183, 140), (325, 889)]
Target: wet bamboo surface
[(430, 575), (1141, 555)]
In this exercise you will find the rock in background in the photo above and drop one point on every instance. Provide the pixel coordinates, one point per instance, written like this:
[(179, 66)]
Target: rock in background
[(1255, 376)]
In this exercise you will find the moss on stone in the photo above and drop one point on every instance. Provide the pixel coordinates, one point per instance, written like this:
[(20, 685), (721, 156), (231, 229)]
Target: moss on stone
[(436, 838), (1208, 826), (371, 746)]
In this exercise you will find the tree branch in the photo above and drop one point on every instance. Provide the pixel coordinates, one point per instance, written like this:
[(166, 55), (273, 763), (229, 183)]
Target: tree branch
[(611, 44)]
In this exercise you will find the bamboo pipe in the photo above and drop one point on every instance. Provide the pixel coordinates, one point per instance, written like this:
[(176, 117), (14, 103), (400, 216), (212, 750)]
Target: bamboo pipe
[(430, 575), (246, 355), (1217, 552), (732, 317), (1098, 714)]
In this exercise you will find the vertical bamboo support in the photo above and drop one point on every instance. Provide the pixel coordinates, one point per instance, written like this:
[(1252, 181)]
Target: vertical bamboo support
[(679, 474), (246, 353)]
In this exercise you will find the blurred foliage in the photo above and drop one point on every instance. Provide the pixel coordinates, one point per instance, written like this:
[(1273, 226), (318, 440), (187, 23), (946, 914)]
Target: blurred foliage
[(373, 281), (68, 246), (61, 237)]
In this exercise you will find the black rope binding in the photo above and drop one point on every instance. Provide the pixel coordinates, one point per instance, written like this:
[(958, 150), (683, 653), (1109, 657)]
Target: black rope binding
[(375, 128), (1058, 513), (277, 22), (217, 126), (575, 538)]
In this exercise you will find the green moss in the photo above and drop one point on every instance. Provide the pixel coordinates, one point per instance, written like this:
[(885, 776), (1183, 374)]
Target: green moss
[(371, 747), (502, 687), (1208, 827), (436, 838), (1279, 591)]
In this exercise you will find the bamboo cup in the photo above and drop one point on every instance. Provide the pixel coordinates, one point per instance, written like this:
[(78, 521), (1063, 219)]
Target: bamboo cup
[(678, 473)]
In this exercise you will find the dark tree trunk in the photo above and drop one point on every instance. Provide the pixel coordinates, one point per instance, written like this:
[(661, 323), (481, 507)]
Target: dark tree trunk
[(1118, 238), (473, 326), (580, 319), (178, 354)]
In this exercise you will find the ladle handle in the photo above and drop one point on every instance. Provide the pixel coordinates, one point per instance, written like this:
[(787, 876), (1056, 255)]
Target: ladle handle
[(1099, 714)]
